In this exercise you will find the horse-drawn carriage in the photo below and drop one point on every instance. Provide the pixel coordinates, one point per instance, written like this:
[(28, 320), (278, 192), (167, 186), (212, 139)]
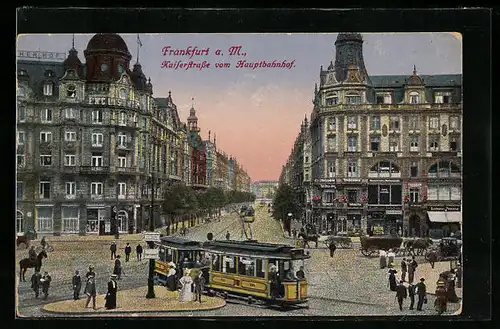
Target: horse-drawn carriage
[(340, 241), (417, 246), (447, 249), (372, 244)]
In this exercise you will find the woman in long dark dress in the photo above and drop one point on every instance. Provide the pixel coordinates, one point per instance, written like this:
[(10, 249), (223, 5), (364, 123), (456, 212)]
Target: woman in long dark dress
[(392, 279), (111, 295)]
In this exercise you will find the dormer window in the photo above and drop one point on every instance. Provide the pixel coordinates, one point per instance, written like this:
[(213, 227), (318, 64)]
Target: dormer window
[(49, 73), (331, 99), (384, 98), (123, 94), (48, 89), (442, 97), (71, 91), (414, 98), (353, 99)]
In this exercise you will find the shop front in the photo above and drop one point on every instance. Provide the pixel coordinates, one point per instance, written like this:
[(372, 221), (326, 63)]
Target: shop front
[(443, 220), (387, 220)]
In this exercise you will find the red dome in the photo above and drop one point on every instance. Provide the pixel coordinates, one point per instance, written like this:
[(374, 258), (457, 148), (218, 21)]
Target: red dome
[(107, 41)]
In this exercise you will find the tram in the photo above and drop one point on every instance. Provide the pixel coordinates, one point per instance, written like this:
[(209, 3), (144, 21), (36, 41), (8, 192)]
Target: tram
[(183, 253), (248, 215), (272, 273)]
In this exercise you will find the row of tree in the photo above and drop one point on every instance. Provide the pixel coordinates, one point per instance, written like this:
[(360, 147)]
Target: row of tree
[(286, 201), (181, 202)]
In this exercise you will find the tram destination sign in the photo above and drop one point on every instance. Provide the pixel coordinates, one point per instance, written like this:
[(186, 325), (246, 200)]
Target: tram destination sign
[(152, 236), (41, 55), (152, 253)]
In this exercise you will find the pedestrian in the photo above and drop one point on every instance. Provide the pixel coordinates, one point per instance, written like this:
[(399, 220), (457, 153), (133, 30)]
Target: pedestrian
[(432, 258), (383, 259), (332, 248), (404, 269), (172, 278), (118, 267), (441, 300), (90, 272), (128, 250), (411, 293), (90, 290), (186, 282), (43, 243), (138, 250), (77, 285), (411, 269), (390, 257), (112, 248), (392, 279), (45, 280), (421, 293), (228, 235), (111, 294), (35, 282), (451, 294), (199, 286), (401, 294)]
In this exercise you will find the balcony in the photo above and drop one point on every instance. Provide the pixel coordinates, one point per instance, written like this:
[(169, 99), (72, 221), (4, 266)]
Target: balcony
[(94, 170), (125, 147), (97, 146), (127, 170)]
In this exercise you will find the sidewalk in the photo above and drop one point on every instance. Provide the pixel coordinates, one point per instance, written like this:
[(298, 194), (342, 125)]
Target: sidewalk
[(134, 301), (431, 276)]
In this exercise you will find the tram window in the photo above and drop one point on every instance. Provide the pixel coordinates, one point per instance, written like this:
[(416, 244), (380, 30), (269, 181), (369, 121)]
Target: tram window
[(163, 254), (229, 265), (168, 255), (246, 266), (260, 268), (298, 267), (216, 261)]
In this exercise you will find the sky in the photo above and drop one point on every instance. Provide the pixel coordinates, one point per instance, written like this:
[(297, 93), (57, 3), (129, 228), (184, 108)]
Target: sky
[(256, 113)]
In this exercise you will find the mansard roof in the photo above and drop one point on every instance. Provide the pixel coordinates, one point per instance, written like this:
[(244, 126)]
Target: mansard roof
[(36, 72), (398, 81)]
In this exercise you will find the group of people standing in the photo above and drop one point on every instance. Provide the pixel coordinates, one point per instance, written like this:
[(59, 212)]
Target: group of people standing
[(128, 250), (190, 289), (91, 291), (41, 281)]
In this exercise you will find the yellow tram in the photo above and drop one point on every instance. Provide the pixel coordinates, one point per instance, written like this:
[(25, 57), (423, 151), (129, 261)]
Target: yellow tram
[(269, 272), (248, 214)]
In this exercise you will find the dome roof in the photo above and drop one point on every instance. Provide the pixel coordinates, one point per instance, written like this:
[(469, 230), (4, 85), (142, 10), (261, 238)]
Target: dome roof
[(349, 36), (107, 41)]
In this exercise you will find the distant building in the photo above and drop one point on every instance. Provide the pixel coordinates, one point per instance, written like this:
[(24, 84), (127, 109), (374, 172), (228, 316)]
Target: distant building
[(265, 190)]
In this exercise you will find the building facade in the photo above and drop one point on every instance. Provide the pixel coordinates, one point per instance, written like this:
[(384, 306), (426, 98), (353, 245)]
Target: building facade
[(385, 151), (265, 190)]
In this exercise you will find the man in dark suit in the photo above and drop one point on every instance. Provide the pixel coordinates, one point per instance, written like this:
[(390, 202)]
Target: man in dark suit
[(77, 285), (128, 251), (138, 250), (35, 282), (421, 292), (401, 294)]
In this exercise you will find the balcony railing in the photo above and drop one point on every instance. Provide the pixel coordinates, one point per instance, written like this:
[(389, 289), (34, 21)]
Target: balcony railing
[(94, 170)]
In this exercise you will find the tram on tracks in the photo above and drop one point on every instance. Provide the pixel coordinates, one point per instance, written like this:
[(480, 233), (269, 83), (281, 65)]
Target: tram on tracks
[(272, 273), (248, 214)]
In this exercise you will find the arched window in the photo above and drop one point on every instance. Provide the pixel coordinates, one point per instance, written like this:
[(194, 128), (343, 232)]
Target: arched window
[(353, 98), (385, 168), (332, 99), (122, 221), (48, 88), (414, 98), (19, 221), (444, 169)]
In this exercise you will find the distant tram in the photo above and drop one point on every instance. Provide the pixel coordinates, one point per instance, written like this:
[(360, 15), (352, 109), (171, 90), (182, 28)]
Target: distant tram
[(248, 214)]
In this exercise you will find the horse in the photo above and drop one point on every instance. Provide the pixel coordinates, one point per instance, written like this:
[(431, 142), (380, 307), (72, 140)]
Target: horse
[(26, 263), (309, 237), (418, 245)]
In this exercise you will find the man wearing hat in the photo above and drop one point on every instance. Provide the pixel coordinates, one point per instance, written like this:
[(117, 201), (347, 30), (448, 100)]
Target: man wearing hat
[(441, 298), (421, 293), (111, 295), (90, 289), (90, 272), (118, 267)]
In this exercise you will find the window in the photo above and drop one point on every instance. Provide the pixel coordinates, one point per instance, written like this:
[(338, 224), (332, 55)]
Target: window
[(329, 197), (454, 143), (46, 160), (394, 124), (375, 143), (97, 159), (123, 119), (384, 169), (97, 139), (352, 143), (96, 189), (414, 195), (70, 217), (70, 113), (351, 169), (434, 143), (331, 100), (123, 94), (454, 123), (122, 190), (434, 122), (443, 192), (122, 140), (122, 162), (19, 190), (394, 143), (414, 98), (455, 193), (69, 160), (413, 122), (352, 123), (353, 99), (246, 266), (70, 136), (71, 91), (332, 124), (332, 143), (413, 169), (19, 222), (21, 114), (331, 169), (307, 159), (387, 99), (70, 190), (414, 143), (352, 196), (44, 190), (444, 169), (438, 99), (97, 116), (44, 215), (375, 122), (228, 264), (20, 137), (46, 115), (20, 160), (380, 99), (442, 97), (48, 89), (446, 99), (45, 137)]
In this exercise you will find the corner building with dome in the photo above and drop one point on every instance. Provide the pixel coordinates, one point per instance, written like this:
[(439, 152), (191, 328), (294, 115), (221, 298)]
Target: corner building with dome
[(380, 154), (93, 143)]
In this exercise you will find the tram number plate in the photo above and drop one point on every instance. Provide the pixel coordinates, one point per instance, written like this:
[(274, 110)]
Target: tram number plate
[(252, 285)]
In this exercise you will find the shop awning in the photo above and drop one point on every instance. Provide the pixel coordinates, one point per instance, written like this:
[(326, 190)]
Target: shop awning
[(445, 216)]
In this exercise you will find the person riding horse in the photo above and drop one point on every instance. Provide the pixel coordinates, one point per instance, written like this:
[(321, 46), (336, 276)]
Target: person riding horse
[(26, 263)]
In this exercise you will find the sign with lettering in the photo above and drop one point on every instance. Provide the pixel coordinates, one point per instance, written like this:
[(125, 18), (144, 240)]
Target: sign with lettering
[(152, 253), (444, 208), (41, 55), (355, 204), (152, 237)]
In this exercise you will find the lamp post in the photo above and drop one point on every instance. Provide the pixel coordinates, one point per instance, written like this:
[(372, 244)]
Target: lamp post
[(151, 291)]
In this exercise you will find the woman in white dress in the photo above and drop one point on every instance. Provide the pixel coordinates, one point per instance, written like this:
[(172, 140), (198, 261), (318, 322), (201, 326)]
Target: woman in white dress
[(186, 283)]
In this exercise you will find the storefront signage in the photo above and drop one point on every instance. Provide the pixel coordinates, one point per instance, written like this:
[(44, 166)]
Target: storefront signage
[(355, 205), (443, 208), (46, 55), (326, 180), (352, 180), (395, 180), (410, 185), (394, 212)]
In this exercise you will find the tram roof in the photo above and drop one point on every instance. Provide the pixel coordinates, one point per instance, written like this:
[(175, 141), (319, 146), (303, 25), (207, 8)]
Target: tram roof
[(269, 250), (180, 243)]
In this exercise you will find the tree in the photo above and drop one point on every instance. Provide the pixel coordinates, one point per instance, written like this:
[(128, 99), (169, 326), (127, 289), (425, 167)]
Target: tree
[(286, 200)]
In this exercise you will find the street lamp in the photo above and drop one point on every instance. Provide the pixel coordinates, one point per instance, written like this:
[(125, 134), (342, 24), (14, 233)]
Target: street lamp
[(151, 291)]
